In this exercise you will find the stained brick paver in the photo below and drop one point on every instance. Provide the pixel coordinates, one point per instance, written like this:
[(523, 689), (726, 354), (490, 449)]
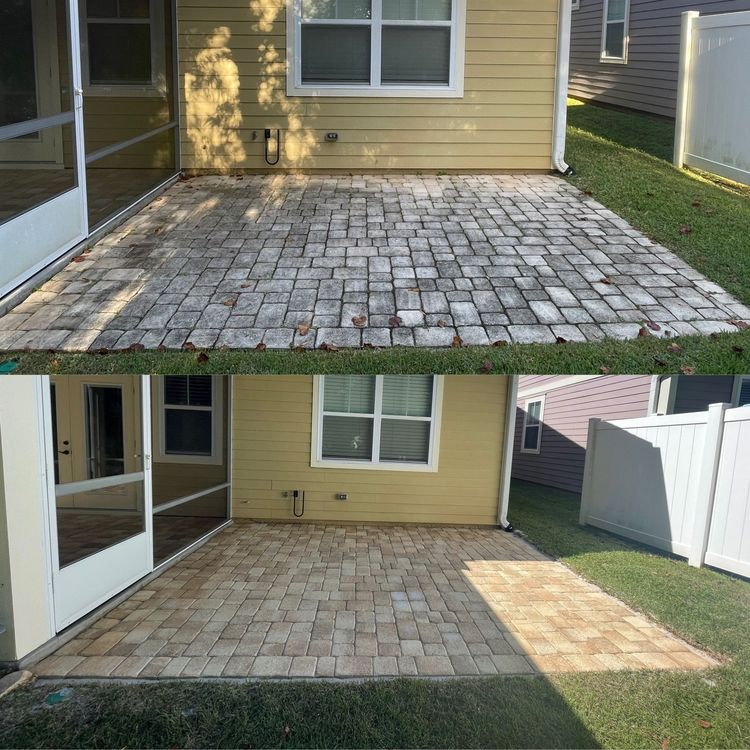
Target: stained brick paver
[(224, 261), (279, 600)]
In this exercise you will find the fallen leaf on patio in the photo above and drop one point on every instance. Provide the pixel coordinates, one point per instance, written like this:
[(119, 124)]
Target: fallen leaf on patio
[(739, 323), (299, 349), (653, 326), (674, 348), (500, 343), (136, 347), (329, 347), (705, 724), (441, 324), (55, 363), (685, 230), (189, 346), (161, 348), (605, 280), (360, 321), (303, 329), (561, 340), (605, 370), (260, 347), (486, 366), (413, 289), (368, 345), (737, 349), (202, 358), (643, 332), (79, 259), (687, 370), (230, 302), (587, 193), (457, 342), (102, 351), (395, 321)]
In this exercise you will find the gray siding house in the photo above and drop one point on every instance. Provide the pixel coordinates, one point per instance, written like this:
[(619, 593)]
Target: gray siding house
[(626, 52), (553, 413)]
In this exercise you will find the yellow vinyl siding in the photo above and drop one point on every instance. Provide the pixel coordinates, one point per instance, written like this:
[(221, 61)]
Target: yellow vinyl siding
[(271, 441), (233, 86)]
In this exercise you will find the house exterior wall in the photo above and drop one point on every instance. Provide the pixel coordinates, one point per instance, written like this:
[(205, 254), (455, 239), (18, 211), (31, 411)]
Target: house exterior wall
[(271, 441), (648, 81), (233, 86), (565, 420), (24, 602)]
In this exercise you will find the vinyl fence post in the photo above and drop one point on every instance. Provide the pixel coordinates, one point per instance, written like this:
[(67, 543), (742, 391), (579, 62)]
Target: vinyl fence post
[(683, 85), (707, 483), (588, 470)]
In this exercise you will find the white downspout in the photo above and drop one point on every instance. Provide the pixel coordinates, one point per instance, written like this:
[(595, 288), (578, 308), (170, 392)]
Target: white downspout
[(562, 71), (505, 466)]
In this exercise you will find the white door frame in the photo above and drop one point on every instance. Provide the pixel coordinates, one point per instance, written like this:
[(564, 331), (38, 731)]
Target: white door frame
[(130, 559)]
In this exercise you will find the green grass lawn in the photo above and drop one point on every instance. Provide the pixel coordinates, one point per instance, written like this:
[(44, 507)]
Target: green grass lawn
[(618, 709), (725, 353), (624, 161)]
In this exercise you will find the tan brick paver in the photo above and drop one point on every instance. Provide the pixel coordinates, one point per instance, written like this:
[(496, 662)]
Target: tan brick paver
[(276, 600)]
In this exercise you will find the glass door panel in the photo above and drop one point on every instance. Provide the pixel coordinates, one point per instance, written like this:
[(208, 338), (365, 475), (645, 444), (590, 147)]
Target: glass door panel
[(100, 492), (41, 196)]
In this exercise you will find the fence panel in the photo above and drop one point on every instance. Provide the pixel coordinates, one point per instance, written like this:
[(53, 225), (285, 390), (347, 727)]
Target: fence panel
[(729, 538), (713, 109), (642, 477)]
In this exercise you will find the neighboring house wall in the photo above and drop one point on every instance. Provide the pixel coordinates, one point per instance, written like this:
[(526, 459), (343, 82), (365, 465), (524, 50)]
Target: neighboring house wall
[(648, 81), (271, 453), (233, 86), (565, 419), (695, 393)]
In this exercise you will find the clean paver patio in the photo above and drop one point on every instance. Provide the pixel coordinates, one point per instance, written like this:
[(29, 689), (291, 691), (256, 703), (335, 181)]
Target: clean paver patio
[(357, 260), (285, 600)]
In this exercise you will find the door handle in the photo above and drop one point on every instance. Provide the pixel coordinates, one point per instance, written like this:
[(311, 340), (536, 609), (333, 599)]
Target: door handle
[(66, 452)]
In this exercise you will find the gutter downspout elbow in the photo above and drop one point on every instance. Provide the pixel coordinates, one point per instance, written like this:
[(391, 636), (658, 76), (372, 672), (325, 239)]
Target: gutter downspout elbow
[(562, 73), (507, 459)]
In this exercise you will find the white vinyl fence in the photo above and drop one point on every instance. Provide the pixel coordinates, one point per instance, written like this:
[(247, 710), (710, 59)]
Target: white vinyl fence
[(680, 483), (713, 99)]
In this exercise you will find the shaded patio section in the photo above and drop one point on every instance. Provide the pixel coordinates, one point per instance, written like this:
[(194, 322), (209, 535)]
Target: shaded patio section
[(285, 600), (293, 260)]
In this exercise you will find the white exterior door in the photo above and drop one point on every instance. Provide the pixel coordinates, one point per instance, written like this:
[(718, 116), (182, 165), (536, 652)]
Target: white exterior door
[(42, 203), (99, 442)]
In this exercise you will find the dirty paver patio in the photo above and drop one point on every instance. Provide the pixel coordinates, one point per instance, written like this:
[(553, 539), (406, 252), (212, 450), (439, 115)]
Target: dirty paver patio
[(285, 600), (233, 261)]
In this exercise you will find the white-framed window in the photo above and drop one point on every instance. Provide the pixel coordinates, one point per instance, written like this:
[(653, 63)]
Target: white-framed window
[(531, 436), (376, 48), (389, 422), (190, 419), (615, 23), (122, 47), (741, 395)]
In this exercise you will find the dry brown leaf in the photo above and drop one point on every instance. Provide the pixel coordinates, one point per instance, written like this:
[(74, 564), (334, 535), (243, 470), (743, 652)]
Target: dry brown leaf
[(202, 358), (643, 332), (674, 348), (189, 346), (653, 326), (605, 370), (260, 347), (360, 321), (486, 366), (230, 302), (303, 329), (441, 324), (561, 340), (741, 324), (457, 342), (705, 724), (329, 347), (687, 370), (500, 343), (605, 280), (394, 321), (136, 347), (161, 348)]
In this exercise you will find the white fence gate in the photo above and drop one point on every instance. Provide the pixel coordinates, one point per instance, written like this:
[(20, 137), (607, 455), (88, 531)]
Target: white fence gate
[(680, 483), (713, 100)]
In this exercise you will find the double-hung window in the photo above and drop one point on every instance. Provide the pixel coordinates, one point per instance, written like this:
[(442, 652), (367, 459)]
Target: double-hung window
[(190, 419), (615, 31), (377, 422), (123, 51), (531, 438), (376, 47), (742, 397)]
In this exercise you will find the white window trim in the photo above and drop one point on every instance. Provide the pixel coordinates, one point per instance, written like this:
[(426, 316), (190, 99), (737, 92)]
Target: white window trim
[(626, 36), (316, 452), (454, 89), (158, 86), (217, 435), (575, 4), (538, 449), (737, 387)]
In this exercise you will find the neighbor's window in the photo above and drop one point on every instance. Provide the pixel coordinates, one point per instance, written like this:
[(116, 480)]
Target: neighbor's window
[(615, 31), (120, 39), (575, 4), (190, 419), (531, 440), (383, 421), (376, 47), (743, 392)]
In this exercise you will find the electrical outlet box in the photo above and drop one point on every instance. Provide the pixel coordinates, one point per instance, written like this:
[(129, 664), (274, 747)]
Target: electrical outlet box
[(332, 137), (342, 495)]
